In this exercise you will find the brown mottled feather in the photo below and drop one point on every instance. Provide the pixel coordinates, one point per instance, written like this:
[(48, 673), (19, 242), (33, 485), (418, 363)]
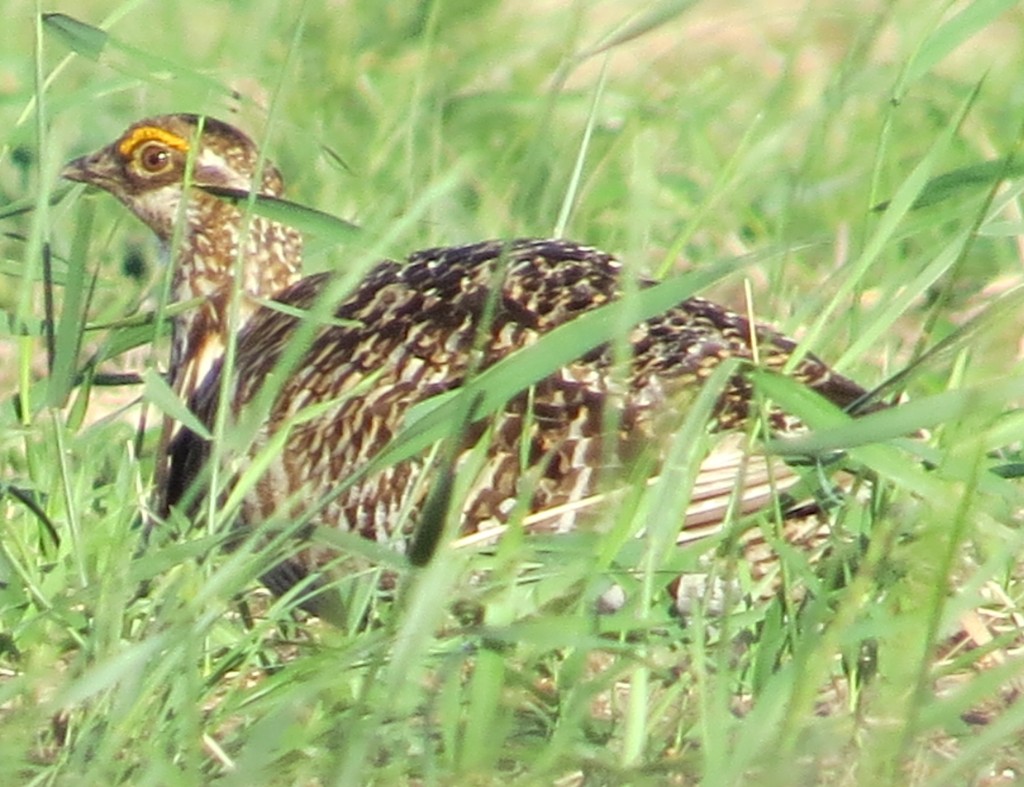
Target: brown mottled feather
[(409, 331)]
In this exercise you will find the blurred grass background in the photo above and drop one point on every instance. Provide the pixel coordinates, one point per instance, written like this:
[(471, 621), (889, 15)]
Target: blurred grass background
[(717, 130)]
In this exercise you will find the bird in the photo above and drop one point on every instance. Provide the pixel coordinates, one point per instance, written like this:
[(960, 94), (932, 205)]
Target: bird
[(412, 333)]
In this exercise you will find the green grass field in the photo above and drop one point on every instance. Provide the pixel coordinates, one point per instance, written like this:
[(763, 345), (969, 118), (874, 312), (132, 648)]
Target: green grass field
[(680, 136)]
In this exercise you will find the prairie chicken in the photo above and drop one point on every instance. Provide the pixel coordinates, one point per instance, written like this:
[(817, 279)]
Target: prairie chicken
[(411, 331)]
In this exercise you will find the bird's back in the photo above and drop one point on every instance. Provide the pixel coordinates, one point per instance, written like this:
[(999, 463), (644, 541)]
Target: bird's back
[(417, 330)]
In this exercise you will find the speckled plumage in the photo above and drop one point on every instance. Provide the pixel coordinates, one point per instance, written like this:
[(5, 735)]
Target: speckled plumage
[(411, 331)]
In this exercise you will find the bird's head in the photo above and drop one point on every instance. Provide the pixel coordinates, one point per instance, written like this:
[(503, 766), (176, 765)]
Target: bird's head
[(148, 166), (155, 165)]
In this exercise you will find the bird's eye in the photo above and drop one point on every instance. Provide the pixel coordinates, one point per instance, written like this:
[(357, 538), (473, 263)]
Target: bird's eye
[(154, 158)]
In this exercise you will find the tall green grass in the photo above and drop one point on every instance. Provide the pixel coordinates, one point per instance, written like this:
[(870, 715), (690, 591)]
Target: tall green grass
[(681, 136)]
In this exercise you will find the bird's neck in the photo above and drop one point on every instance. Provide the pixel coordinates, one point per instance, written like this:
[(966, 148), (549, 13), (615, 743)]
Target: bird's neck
[(207, 271)]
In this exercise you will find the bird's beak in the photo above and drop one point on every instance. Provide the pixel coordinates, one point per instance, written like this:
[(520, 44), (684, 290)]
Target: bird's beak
[(96, 169)]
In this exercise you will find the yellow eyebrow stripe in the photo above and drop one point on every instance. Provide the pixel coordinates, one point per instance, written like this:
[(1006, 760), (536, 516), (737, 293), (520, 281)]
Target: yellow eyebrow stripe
[(149, 134)]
